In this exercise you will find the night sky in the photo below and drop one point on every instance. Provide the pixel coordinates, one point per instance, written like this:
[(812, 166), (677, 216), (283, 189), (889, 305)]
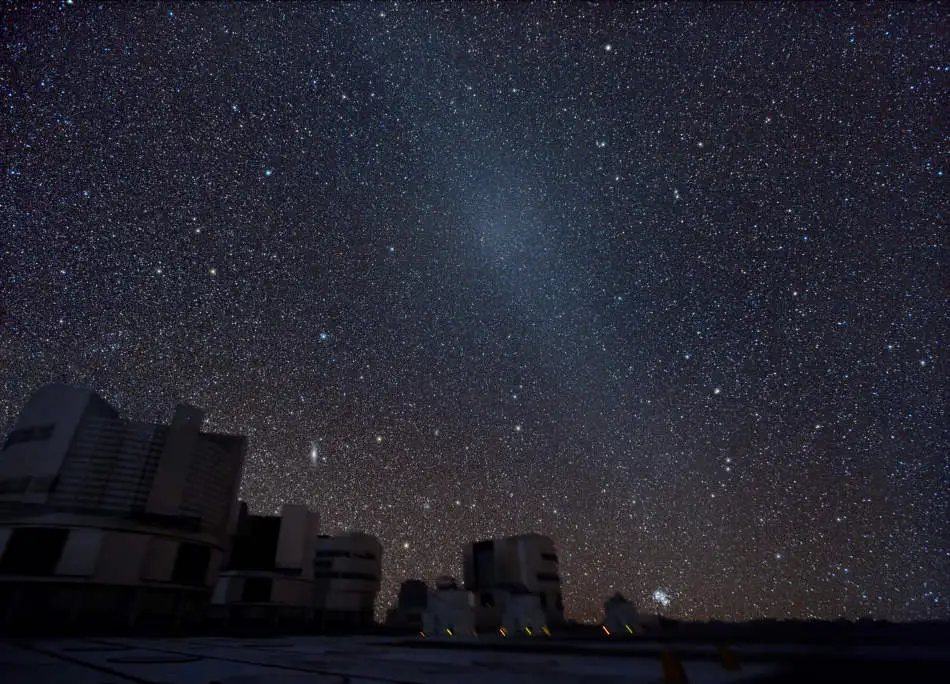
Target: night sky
[(666, 283)]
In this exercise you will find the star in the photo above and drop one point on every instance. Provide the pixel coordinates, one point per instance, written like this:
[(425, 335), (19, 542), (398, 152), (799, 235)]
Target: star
[(492, 221)]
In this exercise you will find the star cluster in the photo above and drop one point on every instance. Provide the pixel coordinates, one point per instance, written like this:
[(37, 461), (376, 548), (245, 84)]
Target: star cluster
[(664, 282)]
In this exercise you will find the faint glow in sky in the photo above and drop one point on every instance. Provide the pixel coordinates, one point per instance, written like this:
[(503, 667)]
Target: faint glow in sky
[(448, 289), (315, 455), (662, 597)]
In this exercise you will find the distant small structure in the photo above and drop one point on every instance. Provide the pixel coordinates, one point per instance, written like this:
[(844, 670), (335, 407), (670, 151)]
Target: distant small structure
[(111, 524), (411, 605), (449, 610), (268, 576), (523, 614), (496, 569), (347, 571), (621, 617)]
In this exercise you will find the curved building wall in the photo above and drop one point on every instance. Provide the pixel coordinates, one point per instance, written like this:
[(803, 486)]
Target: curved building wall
[(97, 511), (58, 570), (347, 573)]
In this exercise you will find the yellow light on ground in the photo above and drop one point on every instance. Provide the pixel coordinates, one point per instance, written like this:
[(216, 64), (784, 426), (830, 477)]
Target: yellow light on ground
[(503, 631), (449, 632), (422, 634), (547, 632), (528, 630), (606, 631), (629, 629)]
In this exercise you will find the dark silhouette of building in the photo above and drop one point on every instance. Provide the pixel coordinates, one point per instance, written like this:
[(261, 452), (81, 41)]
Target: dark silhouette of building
[(268, 575), (496, 569), (347, 571), (111, 524), (410, 606)]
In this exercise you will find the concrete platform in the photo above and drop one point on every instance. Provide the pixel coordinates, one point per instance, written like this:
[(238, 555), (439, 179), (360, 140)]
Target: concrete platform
[(385, 660), (315, 660)]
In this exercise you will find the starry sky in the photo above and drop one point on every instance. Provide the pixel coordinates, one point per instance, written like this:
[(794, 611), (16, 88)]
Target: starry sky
[(664, 282)]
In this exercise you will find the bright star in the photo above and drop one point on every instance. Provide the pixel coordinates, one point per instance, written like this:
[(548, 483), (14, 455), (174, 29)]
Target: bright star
[(662, 597)]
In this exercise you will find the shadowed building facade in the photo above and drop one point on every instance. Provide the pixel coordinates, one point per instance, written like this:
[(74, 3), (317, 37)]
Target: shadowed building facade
[(410, 606), (109, 522), (347, 573), (268, 575), (497, 569)]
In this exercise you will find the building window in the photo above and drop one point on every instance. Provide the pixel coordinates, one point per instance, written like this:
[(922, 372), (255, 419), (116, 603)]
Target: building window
[(332, 553), (33, 551), (366, 576), (16, 485), (483, 564), (327, 574), (35, 434), (257, 590), (191, 564), (549, 557), (46, 483), (255, 546), (548, 577), (559, 602)]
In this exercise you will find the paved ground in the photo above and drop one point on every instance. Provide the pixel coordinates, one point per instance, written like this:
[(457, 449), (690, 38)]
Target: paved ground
[(319, 660), (388, 660)]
